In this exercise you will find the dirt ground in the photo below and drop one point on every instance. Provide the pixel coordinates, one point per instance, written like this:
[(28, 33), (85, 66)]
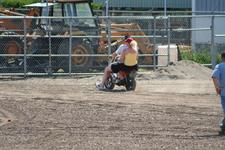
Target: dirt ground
[(172, 108)]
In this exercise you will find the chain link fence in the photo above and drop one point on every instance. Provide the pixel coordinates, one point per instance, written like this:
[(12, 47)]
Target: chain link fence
[(78, 45)]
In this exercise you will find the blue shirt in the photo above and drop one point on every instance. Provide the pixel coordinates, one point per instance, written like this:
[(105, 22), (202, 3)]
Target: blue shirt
[(219, 73)]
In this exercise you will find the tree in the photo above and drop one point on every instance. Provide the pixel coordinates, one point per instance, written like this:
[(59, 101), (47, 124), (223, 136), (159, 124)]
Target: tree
[(17, 3), (96, 6)]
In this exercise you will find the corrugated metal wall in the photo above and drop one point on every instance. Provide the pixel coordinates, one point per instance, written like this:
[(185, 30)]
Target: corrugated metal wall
[(210, 5), (147, 3)]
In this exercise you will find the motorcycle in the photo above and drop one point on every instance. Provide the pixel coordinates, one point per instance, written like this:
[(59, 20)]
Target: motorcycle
[(122, 78), (128, 80)]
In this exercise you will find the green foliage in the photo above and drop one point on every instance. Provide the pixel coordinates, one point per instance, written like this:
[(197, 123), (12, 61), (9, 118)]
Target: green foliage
[(96, 6), (199, 57), (17, 3)]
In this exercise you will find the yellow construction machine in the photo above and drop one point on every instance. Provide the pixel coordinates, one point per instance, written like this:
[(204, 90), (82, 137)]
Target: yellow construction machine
[(62, 13)]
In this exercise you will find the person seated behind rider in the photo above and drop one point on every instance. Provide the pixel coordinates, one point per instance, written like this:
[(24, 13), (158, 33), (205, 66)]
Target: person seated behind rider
[(129, 57), (127, 62), (116, 55)]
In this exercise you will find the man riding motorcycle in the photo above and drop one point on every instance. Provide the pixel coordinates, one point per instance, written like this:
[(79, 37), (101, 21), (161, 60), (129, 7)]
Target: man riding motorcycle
[(127, 61)]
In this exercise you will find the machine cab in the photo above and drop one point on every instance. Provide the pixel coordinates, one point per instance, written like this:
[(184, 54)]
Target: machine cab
[(65, 13)]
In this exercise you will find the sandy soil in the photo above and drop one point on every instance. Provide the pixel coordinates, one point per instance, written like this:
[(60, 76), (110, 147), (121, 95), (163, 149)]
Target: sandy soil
[(172, 108)]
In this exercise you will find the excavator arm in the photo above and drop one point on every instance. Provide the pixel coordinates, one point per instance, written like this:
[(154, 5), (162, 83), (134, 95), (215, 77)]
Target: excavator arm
[(133, 29)]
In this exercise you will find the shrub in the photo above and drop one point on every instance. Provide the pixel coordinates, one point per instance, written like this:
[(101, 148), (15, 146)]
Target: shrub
[(96, 6), (199, 57), (17, 3)]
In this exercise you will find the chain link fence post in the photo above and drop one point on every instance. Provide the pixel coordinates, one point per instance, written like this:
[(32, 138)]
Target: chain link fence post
[(154, 42), (49, 70), (169, 38), (70, 48), (25, 46), (108, 29), (213, 53)]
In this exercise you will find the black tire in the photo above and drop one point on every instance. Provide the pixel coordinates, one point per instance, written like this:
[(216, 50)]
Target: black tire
[(109, 83), (11, 46), (38, 64), (78, 47), (131, 84)]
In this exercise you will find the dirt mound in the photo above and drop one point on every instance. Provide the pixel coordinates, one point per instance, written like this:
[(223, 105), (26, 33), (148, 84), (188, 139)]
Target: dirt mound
[(184, 69)]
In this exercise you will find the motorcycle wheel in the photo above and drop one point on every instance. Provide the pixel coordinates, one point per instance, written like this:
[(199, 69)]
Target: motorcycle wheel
[(109, 83), (131, 85)]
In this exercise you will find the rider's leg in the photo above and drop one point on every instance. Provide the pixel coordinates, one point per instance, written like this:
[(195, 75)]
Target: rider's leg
[(114, 67), (107, 72)]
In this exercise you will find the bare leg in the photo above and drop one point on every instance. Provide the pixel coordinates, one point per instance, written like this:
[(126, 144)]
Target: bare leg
[(106, 74)]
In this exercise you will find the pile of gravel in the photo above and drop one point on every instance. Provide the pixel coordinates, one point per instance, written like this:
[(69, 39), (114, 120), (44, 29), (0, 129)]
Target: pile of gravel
[(183, 69)]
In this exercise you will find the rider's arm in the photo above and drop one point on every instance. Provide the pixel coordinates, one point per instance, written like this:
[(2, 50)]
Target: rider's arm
[(118, 52), (114, 56), (122, 56)]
